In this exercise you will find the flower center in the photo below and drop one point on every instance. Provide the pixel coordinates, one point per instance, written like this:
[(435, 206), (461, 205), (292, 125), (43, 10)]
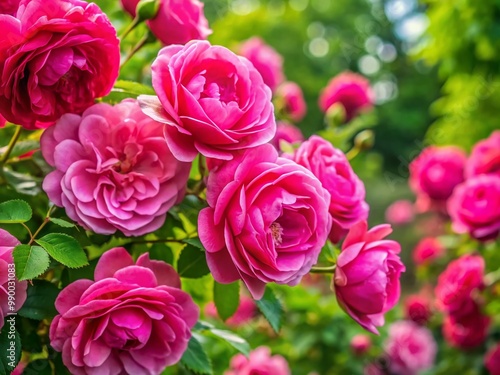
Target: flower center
[(277, 233)]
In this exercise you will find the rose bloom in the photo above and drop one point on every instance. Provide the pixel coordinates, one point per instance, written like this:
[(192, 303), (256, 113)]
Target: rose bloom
[(485, 157), (349, 89), (418, 309), (367, 275), (292, 100), (132, 319), (259, 362), (474, 207), (434, 174), (113, 169), (2, 121), (492, 360), (266, 60), (360, 344), (7, 245), (246, 311), (53, 61), (400, 212), (288, 133), (410, 348), (267, 220), (177, 21), (211, 101), (330, 165), (9, 7), (427, 250), (466, 331)]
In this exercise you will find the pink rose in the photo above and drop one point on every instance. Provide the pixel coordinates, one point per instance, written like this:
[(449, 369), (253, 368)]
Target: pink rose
[(2, 121), (9, 7), (349, 89), (259, 362), (132, 319), (177, 21), (266, 60), (474, 207), (466, 331), (113, 169), (418, 308), (492, 360), (288, 133), (246, 311), (427, 251), (410, 348), (360, 344), (434, 174), (291, 98), (53, 61), (267, 220), (485, 157), (330, 165), (367, 275), (214, 102), (400, 212), (7, 245)]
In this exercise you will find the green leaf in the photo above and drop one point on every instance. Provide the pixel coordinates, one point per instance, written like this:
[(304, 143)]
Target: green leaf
[(195, 242), (226, 299), (10, 346), (38, 367), (232, 339), (134, 88), (192, 263), (30, 261), (271, 308), (23, 183), (23, 147), (15, 211), (195, 358), (40, 301), (62, 223), (160, 251), (65, 249)]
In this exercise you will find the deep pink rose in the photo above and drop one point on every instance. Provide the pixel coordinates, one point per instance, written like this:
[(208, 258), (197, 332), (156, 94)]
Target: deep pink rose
[(367, 275), (410, 348), (330, 165), (7, 245), (177, 21), (113, 169), (211, 101), (266, 60), (267, 220), (474, 207), (9, 7), (259, 362), (132, 319), (466, 331), (360, 344), (485, 157), (291, 98), (59, 56), (246, 311), (2, 121), (288, 133), (418, 308), (434, 174), (400, 212), (349, 89), (492, 360), (427, 251)]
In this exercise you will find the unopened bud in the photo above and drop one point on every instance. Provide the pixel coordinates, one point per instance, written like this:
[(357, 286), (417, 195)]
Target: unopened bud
[(335, 115), (364, 140), (147, 9)]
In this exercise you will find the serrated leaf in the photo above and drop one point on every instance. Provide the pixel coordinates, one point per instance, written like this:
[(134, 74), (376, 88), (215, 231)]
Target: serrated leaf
[(226, 299), (9, 340), (192, 263), (195, 358), (232, 339), (62, 223), (65, 249), (195, 242), (160, 251), (271, 308), (30, 261), (15, 211), (40, 301)]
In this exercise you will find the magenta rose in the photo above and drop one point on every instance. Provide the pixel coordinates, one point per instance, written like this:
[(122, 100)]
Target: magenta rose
[(211, 101), (366, 280), (260, 361), (492, 360), (177, 21), (288, 133), (113, 169), (410, 348), (2, 121), (132, 319), (246, 311), (434, 174), (485, 157), (330, 165), (400, 212), (53, 62), (267, 220), (466, 331), (360, 344), (291, 100), (9, 7), (349, 89), (418, 308), (266, 60), (427, 251), (474, 207)]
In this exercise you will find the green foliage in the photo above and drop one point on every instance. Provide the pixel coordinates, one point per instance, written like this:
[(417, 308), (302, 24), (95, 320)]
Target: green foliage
[(195, 358), (15, 211), (9, 344), (30, 261), (40, 301), (192, 263), (226, 299), (62, 223), (65, 249), (271, 308)]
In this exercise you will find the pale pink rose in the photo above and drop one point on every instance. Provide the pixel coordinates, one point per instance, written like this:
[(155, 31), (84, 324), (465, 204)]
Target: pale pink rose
[(330, 165), (246, 311), (492, 360), (466, 331), (410, 348), (288, 133), (360, 344), (266, 60), (474, 207), (259, 362), (113, 169), (267, 220), (418, 308), (485, 157), (292, 98), (427, 251), (212, 101), (400, 212), (349, 89), (177, 21), (132, 319), (9, 7), (367, 275), (59, 56)]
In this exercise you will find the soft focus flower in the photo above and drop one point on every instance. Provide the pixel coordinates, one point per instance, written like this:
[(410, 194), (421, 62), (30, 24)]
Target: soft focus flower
[(474, 207), (466, 331), (267, 220), (367, 275), (492, 360), (246, 311), (177, 21), (331, 167), (59, 57), (375, 369), (427, 250), (292, 100), (410, 348), (360, 344), (418, 308), (266, 60), (259, 362), (434, 174), (351, 90), (113, 169), (286, 132), (211, 101), (400, 212), (485, 157), (132, 319), (9, 7)]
